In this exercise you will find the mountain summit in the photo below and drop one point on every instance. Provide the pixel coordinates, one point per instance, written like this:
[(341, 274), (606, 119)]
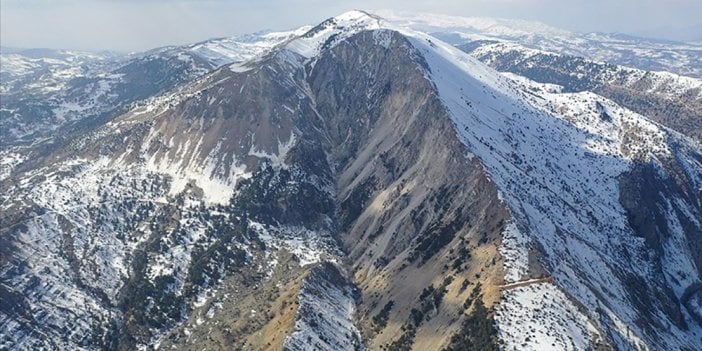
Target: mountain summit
[(356, 185)]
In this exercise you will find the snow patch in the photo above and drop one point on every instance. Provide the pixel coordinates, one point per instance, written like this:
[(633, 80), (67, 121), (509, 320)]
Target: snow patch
[(277, 160), (217, 188), (8, 161), (515, 251), (308, 246), (325, 316), (540, 317)]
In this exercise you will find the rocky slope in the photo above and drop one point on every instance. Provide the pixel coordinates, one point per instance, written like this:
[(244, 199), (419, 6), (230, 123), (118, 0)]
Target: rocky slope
[(359, 186)]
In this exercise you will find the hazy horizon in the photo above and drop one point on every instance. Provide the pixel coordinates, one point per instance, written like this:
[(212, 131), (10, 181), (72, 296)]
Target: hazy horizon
[(132, 25)]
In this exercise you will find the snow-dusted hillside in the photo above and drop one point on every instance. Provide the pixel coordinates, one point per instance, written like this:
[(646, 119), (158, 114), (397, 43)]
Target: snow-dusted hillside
[(667, 98), (559, 159), (142, 235), (670, 85), (494, 210), (241, 48), (44, 90), (647, 54), (52, 67)]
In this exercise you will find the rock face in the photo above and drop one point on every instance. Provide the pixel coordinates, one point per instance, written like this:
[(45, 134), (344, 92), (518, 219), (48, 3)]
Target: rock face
[(359, 186), (411, 203)]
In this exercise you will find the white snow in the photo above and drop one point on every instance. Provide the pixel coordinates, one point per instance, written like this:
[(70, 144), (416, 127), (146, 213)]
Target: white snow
[(680, 58), (243, 48), (17, 65), (557, 162), (81, 208), (325, 317), (8, 161), (670, 85), (185, 166), (277, 160), (553, 156), (216, 190), (515, 251), (308, 246), (332, 32), (497, 27), (239, 67), (540, 317), (175, 261)]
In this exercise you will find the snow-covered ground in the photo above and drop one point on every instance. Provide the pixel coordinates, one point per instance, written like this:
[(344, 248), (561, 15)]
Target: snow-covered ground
[(8, 161), (557, 161), (82, 211), (670, 85), (242, 48), (338, 29), (541, 317), (308, 246), (325, 316), (647, 54), (512, 250)]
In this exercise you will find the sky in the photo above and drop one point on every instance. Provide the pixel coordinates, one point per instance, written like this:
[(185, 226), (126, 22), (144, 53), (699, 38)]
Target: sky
[(134, 25)]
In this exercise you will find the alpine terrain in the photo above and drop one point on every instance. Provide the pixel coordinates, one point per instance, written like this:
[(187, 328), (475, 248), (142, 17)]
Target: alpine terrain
[(404, 182)]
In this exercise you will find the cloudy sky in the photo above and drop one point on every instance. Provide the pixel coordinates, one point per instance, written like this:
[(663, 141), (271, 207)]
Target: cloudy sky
[(130, 25)]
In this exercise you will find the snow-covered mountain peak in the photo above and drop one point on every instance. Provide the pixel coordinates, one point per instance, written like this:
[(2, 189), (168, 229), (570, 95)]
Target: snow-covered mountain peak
[(332, 31), (242, 48)]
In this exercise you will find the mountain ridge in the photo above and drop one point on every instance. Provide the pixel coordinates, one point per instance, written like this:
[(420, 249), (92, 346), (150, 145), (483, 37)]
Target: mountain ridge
[(434, 177)]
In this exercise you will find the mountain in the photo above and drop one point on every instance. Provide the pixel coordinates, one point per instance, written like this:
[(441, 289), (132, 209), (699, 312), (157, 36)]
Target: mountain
[(643, 53), (670, 99), (582, 62), (47, 92), (361, 185)]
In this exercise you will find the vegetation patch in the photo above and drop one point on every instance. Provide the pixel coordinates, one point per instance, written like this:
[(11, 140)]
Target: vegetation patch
[(380, 320), (436, 238), (478, 331)]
